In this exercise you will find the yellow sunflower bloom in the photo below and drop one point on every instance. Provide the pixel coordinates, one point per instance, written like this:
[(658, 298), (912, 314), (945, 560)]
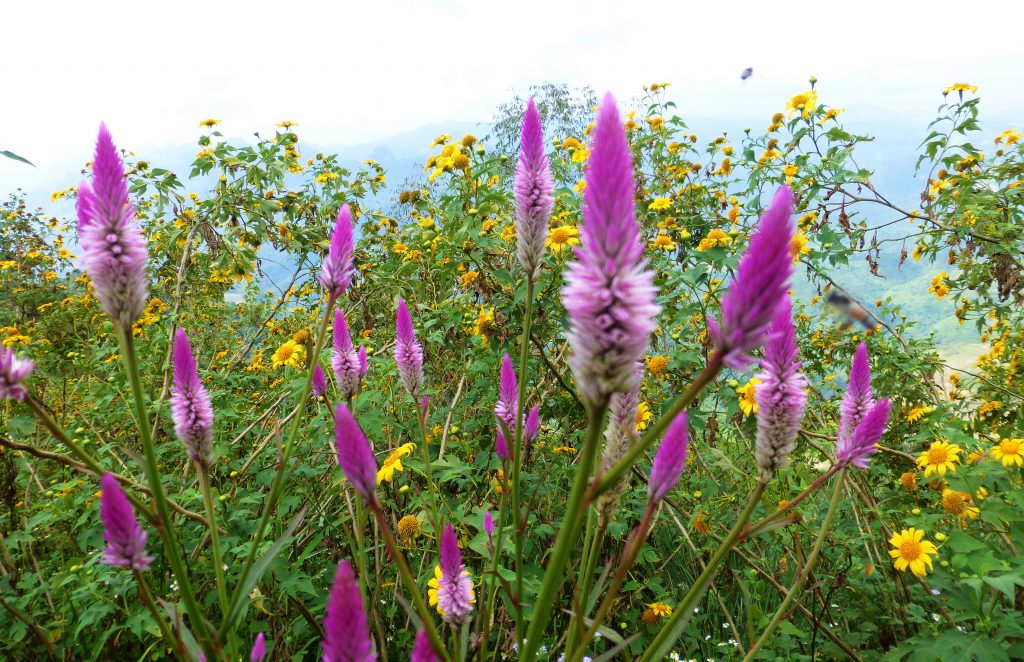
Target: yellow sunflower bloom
[(912, 551), (1009, 452), (959, 504), (941, 456), (746, 392), (289, 354), (643, 416), (562, 236), (393, 463)]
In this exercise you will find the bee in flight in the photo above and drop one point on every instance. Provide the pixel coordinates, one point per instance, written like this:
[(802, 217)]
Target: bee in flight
[(747, 73), (852, 311)]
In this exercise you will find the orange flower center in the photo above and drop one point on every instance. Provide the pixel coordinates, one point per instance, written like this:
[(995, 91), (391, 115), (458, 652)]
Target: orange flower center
[(953, 503), (1010, 447), (938, 456), (910, 550), (559, 236)]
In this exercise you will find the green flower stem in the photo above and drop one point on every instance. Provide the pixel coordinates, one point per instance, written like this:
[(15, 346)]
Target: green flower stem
[(79, 452), (211, 514), (484, 621), (519, 529), (164, 525), (579, 594), (628, 557), (588, 574), (654, 432), (659, 648), (410, 583), (165, 629), (279, 478), (758, 526), (432, 491), (568, 533), (805, 571)]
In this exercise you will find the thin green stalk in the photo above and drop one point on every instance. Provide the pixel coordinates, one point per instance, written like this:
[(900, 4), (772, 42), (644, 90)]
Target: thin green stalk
[(484, 622), (805, 572), (756, 527), (568, 533), (275, 488), (410, 583), (610, 477), (211, 515), (435, 513), (628, 557), (580, 594), (517, 462), (163, 511), (681, 615), (165, 628)]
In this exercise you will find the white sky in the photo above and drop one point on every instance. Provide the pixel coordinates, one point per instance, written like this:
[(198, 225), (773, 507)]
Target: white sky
[(350, 72)]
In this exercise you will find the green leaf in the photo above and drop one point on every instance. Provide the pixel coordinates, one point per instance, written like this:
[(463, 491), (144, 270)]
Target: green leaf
[(12, 155)]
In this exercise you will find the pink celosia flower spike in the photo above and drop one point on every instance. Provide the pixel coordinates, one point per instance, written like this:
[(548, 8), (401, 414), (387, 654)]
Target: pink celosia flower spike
[(13, 372), (760, 284), (346, 631), (422, 651), (609, 293), (319, 382), (113, 248), (670, 459), (501, 446), (408, 351), (455, 594), (780, 396), (336, 272), (858, 400), (507, 406), (190, 404), (364, 366), (259, 649), (354, 454), (860, 445), (532, 425), (534, 189), (489, 529), (126, 541), (344, 359)]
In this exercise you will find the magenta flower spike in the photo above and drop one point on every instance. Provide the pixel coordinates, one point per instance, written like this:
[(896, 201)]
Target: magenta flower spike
[(760, 284), (534, 189), (126, 541), (455, 594), (113, 248), (780, 396), (609, 292), (346, 631), (489, 527), (670, 460), (13, 372), (507, 407), (532, 425), (336, 272), (858, 400), (858, 447), (355, 454), (319, 382), (344, 359), (501, 446), (422, 651), (259, 649), (190, 404), (408, 351), (363, 365)]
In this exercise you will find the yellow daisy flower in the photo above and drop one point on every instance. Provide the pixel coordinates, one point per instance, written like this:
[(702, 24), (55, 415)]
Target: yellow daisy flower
[(959, 504), (562, 236), (912, 551), (746, 392), (289, 354), (393, 463), (1009, 451), (643, 416), (941, 456)]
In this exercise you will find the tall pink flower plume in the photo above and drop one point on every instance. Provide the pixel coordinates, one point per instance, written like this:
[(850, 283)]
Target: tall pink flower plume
[(364, 366), (609, 293), (126, 541), (422, 651), (534, 188), (780, 396), (319, 382), (408, 351), (355, 454), (532, 425), (760, 284), (190, 404), (13, 372), (859, 399), (455, 594), (670, 460), (507, 407), (344, 358), (113, 248), (489, 529), (259, 649), (346, 631), (336, 272), (858, 447), (501, 446)]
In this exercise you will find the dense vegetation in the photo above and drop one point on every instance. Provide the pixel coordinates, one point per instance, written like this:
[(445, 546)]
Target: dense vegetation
[(284, 516)]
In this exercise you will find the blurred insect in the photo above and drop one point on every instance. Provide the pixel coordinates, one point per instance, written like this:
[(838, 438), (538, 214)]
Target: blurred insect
[(747, 73), (853, 311)]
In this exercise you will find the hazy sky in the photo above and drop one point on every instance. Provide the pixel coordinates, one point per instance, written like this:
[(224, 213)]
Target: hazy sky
[(350, 72)]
